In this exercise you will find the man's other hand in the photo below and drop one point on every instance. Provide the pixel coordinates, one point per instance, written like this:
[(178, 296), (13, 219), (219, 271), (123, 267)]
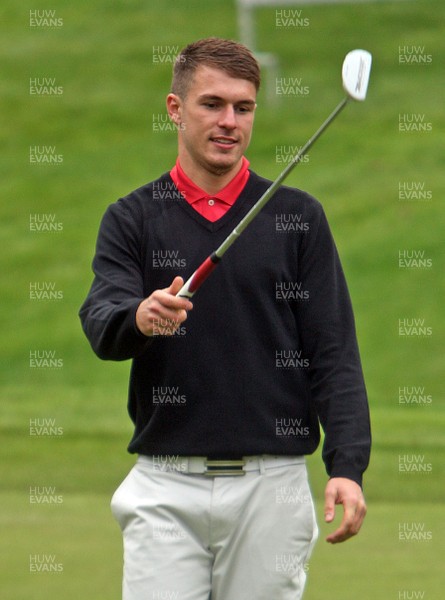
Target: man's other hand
[(340, 490)]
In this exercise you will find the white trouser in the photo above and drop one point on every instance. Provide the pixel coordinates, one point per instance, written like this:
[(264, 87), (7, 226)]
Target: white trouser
[(191, 537)]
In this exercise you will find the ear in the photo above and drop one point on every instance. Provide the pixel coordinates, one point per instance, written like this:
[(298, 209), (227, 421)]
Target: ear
[(174, 108)]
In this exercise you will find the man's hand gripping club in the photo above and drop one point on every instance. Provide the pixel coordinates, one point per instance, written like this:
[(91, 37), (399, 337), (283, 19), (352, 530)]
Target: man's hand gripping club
[(163, 312)]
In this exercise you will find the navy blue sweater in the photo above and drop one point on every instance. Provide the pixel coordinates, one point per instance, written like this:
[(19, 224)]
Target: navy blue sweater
[(269, 350)]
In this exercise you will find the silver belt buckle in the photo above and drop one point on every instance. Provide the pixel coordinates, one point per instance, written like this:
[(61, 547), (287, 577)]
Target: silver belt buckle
[(224, 468)]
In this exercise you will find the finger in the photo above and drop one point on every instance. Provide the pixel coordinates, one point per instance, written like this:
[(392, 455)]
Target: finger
[(351, 523), (170, 316), (165, 300), (329, 506), (168, 297), (175, 285), (345, 530)]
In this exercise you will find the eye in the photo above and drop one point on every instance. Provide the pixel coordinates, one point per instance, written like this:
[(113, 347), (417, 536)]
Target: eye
[(244, 108)]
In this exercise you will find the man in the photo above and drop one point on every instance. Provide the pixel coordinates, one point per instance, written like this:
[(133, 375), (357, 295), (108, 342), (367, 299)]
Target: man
[(226, 398)]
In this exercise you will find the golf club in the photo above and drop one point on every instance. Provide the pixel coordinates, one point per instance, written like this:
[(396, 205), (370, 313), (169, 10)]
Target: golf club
[(355, 75)]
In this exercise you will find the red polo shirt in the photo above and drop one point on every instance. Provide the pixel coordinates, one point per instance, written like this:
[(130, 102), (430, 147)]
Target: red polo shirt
[(213, 206)]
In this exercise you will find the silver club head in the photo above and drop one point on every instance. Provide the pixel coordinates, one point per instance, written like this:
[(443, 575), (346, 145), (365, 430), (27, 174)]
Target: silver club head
[(355, 73)]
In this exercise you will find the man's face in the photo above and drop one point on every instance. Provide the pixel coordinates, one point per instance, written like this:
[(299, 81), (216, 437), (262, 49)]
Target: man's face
[(215, 121)]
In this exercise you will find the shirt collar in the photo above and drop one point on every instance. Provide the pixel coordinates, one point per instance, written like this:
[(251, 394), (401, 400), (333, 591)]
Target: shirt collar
[(192, 193)]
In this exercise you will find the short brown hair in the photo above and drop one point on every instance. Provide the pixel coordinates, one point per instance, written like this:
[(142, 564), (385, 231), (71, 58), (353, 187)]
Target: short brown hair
[(229, 56)]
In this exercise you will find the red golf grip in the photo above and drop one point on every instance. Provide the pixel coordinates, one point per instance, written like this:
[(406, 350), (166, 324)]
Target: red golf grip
[(199, 276), (201, 273)]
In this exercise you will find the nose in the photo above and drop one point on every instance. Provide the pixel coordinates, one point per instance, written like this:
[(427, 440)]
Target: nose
[(227, 118)]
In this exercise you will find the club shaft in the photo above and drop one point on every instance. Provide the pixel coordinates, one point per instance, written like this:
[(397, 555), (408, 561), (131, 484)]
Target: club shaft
[(258, 206), (204, 270)]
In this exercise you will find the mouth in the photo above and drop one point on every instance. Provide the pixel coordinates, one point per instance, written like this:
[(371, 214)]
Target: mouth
[(224, 141)]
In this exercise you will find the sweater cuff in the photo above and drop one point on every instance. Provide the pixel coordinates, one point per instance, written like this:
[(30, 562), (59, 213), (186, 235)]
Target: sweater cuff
[(348, 472)]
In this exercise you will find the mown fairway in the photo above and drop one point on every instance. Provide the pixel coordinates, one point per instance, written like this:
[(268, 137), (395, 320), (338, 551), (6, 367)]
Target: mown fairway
[(104, 126)]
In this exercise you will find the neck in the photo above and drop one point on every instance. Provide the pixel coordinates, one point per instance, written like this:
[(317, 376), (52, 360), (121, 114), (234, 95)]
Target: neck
[(211, 183)]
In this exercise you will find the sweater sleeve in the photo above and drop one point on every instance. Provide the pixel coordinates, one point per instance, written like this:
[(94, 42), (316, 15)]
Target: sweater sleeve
[(327, 329), (108, 315)]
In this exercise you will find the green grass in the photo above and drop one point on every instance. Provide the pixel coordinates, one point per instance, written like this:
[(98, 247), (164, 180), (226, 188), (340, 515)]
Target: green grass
[(102, 125)]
